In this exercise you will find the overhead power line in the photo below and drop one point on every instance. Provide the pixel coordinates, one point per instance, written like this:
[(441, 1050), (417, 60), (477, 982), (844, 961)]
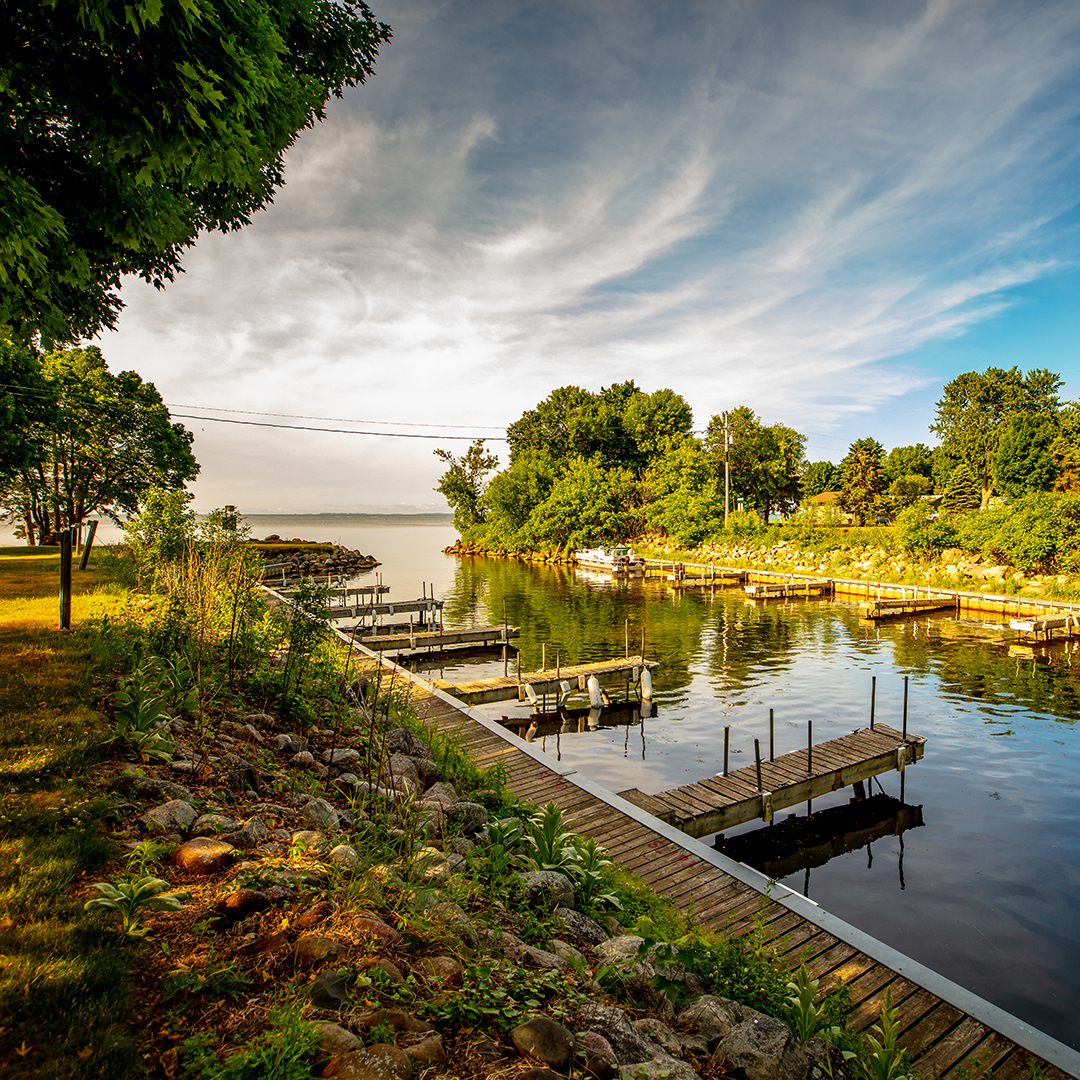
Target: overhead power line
[(337, 431)]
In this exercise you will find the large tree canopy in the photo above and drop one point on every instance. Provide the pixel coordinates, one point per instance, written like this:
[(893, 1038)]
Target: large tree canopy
[(972, 412), (108, 443), (131, 127)]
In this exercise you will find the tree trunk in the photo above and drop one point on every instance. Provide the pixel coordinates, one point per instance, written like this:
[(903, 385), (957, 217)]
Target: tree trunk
[(28, 523)]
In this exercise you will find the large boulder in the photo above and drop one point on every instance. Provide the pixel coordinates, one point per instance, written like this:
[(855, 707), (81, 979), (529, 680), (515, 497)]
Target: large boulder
[(713, 1017), (628, 1044), (579, 928), (204, 856), (546, 890), (174, 816), (544, 1039), (466, 817), (761, 1049), (403, 741)]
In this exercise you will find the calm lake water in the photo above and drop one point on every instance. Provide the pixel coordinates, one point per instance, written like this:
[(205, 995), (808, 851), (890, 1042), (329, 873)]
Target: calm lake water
[(986, 891)]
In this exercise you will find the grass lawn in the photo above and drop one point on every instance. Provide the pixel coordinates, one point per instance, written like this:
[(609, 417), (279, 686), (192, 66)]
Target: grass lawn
[(65, 998)]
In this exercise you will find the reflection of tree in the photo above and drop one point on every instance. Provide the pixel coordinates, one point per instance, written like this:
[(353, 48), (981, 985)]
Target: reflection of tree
[(981, 671), (578, 619)]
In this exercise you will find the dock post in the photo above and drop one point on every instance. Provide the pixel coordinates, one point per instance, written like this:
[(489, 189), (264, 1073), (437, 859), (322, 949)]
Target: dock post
[(809, 747), (772, 748), (873, 695), (757, 762), (905, 706), (626, 643), (543, 656), (519, 667), (727, 739), (88, 545)]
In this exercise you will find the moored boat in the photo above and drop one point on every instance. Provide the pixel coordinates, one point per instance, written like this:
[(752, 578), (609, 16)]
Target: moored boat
[(618, 559)]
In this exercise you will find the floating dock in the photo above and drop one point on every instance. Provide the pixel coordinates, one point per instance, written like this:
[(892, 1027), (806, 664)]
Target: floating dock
[(483, 636), (1045, 625), (710, 579), (796, 587), (721, 802), (558, 680), (375, 611), (898, 609)]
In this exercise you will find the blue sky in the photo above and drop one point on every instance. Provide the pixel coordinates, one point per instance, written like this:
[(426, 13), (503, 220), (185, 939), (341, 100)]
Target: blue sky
[(822, 210)]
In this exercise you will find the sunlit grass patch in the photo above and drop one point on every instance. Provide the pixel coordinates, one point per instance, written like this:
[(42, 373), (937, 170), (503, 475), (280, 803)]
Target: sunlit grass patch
[(65, 995)]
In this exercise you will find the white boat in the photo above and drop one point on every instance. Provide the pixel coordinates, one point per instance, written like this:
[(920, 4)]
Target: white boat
[(618, 559)]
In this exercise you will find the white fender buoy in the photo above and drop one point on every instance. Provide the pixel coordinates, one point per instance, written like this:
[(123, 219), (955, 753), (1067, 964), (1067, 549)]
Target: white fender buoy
[(646, 684), (596, 699)]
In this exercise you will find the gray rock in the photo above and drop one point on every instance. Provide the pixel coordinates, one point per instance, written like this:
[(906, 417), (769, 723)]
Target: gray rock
[(333, 1039), (403, 741), (628, 1044), (660, 1033), (547, 890), (468, 817), (329, 991), (713, 1017), (623, 947), (321, 814), (541, 958), (763, 1049), (427, 770), (826, 1060), (173, 816), (399, 771), (345, 854), (310, 838), (213, 825), (660, 1067), (444, 792), (600, 1060), (249, 836), (133, 783), (259, 719), (579, 928), (342, 756), (567, 951), (290, 743), (544, 1039), (501, 943)]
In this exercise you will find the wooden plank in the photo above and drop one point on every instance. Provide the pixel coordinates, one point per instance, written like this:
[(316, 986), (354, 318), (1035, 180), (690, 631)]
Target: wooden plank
[(957, 1044)]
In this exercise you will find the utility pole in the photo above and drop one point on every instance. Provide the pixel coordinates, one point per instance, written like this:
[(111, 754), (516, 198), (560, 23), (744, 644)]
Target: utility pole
[(727, 468)]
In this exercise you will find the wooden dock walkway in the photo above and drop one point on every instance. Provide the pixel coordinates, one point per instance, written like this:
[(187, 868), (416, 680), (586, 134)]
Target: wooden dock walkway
[(796, 587), (375, 610), (440, 639), (898, 609), (548, 681), (721, 802), (952, 1033)]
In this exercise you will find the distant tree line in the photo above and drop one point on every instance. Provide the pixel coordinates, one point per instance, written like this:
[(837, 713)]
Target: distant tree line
[(587, 468)]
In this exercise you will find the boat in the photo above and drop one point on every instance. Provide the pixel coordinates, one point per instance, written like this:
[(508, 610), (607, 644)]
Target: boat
[(618, 559)]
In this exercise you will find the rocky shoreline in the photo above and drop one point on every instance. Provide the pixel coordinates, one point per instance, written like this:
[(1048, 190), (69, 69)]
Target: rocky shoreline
[(274, 832)]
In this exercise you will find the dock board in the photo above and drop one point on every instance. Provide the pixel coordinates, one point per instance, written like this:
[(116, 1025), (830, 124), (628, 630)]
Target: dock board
[(898, 609), (779, 589), (548, 681), (439, 639), (1046, 625), (951, 1032), (721, 802)]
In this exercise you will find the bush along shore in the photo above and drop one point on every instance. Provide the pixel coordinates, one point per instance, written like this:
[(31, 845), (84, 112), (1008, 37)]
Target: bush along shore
[(281, 874)]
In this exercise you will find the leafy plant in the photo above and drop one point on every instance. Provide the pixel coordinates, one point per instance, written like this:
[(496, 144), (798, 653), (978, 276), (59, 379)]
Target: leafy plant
[(280, 1054), (805, 1016), (129, 896), (552, 846), (216, 980), (140, 715), (884, 1060), (591, 884)]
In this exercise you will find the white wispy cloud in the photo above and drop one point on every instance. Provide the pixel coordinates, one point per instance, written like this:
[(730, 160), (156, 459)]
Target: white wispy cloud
[(747, 204)]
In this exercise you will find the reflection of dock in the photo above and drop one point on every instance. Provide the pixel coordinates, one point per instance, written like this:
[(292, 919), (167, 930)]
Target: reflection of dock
[(805, 842), (478, 636), (559, 681), (898, 609), (777, 589), (1046, 625), (758, 791)]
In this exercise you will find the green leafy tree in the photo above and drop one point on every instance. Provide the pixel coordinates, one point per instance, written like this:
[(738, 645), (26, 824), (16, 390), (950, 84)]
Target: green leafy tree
[(862, 480), (512, 496), (1024, 460), (961, 494), (917, 460), (683, 500), (27, 407), (819, 476), (112, 442), (1065, 450), (906, 490), (464, 483), (765, 461), (974, 408), (133, 127)]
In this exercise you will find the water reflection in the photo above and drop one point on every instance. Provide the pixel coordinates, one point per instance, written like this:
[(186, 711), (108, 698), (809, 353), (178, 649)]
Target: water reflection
[(987, 891)]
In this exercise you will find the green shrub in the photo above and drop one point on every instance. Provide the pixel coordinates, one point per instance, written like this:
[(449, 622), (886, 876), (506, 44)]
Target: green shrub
[(918, 534), (1036, 533)]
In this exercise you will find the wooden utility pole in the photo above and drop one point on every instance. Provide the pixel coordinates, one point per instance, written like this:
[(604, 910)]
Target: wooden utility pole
[(66, 537), (727, 468)]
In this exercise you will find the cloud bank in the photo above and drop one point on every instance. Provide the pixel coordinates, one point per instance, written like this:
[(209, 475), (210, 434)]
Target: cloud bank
[(759, 204)]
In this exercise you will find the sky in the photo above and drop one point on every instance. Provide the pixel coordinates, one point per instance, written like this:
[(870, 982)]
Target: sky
[(823, 210)]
